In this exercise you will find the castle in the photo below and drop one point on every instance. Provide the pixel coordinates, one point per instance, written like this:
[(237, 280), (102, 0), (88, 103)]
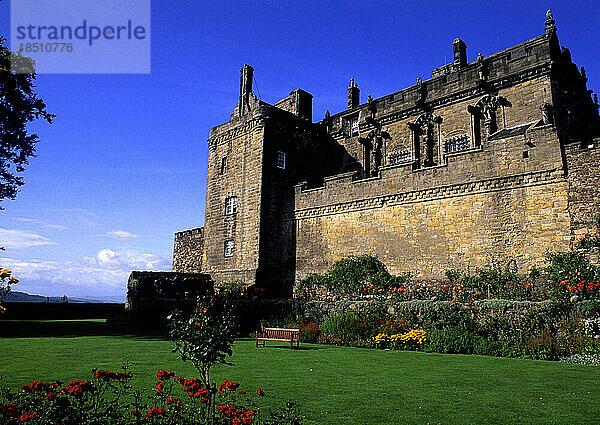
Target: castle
[(489, 160)]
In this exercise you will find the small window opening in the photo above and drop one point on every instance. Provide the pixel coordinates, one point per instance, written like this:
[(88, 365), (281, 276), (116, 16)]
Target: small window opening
[(281, 160), (228, 249), (231, 205)]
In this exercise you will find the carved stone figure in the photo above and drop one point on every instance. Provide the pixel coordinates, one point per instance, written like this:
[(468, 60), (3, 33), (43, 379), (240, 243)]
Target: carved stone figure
[(487, 107), (423, 133), (481, 68), (371, 106), (377, 155), (421, 93), (547, 116)]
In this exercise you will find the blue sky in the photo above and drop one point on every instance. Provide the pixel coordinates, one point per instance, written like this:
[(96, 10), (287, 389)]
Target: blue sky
[(124, 165)]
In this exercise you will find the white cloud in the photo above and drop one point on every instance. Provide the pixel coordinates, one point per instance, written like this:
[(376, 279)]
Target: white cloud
[(91, 277), (18, 239), (121, 234), (132, 260), (41, 223)]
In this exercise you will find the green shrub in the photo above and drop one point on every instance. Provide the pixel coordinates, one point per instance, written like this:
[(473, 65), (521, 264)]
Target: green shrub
[(352, 275), (449, 341), (491, 281), (351, 327), (571, 273)]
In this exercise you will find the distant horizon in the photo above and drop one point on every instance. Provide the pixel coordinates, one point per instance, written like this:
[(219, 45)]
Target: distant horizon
[(124, 165), (79, 299)]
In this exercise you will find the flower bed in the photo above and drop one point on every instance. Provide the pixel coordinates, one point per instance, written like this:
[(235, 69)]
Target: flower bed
[(109, 397)]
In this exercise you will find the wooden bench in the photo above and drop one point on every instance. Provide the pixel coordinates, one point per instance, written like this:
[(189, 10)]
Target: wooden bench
[(279, 334)]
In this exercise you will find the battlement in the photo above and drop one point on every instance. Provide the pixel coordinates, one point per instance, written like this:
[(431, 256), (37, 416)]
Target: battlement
[(451, 84), (187, 233), (188, 251)]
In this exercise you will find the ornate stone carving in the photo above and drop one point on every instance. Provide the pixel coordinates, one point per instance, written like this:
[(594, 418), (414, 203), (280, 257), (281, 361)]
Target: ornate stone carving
[(482, 71), (547, 113), (421, 93), (550, 27), (424, 135), (486, 107), (373, 144)]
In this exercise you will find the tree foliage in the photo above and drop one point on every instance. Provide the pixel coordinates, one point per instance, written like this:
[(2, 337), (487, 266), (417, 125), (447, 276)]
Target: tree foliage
[(19, 105), (205, 337)]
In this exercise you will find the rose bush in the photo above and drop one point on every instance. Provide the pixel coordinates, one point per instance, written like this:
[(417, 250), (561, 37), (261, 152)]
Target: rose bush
[(109, 398)]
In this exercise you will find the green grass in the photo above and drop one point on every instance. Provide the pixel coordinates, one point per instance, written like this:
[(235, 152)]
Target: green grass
[(332, 385)]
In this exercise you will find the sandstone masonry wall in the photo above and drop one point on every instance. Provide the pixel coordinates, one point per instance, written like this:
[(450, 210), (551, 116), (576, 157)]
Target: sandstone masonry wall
[(188, 251), (583, 164)]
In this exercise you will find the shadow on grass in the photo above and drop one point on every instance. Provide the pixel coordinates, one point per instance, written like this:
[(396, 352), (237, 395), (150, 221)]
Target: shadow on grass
[(287, 347), (73, 328)]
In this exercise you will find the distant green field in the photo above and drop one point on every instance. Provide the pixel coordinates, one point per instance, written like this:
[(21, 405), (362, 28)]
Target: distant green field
[(332, 385)]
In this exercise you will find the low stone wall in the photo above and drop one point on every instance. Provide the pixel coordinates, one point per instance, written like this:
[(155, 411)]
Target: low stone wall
[(60, 311), (155, 294), (251, 312)]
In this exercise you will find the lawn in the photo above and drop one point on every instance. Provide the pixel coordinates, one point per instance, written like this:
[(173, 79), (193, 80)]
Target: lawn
[(332, 385)]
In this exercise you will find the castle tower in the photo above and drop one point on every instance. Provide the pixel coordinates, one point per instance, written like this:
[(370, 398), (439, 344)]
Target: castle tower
[(250, 166)]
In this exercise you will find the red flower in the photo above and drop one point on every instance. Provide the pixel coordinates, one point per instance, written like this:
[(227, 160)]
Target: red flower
[(159, 386), (242, 392), (164, 375), (155, 411), (26, 416), (77, 388), (228, 385), (172, 400), (136, 413), (51, 396), (106, 375), (260, 392)]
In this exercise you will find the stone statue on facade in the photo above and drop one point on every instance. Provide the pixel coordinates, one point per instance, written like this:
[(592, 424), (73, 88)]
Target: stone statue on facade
[(486, 107), (547, 114)]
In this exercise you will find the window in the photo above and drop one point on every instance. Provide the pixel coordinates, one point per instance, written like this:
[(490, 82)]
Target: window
[(223, 165), (281, 160), (228, 250), (399, 157), (231, 205), (353, 126)]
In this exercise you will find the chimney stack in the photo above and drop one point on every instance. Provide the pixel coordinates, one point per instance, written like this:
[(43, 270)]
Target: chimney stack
[(460, 52), (353, 95), (245, 88)]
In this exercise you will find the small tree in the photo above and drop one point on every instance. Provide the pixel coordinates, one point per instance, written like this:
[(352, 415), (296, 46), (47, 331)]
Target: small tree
[(205, 337)]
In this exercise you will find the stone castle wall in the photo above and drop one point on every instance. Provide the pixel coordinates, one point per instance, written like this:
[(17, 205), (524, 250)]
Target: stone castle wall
[(188, 251), (464, 213), (583, 163), (488, 161)]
